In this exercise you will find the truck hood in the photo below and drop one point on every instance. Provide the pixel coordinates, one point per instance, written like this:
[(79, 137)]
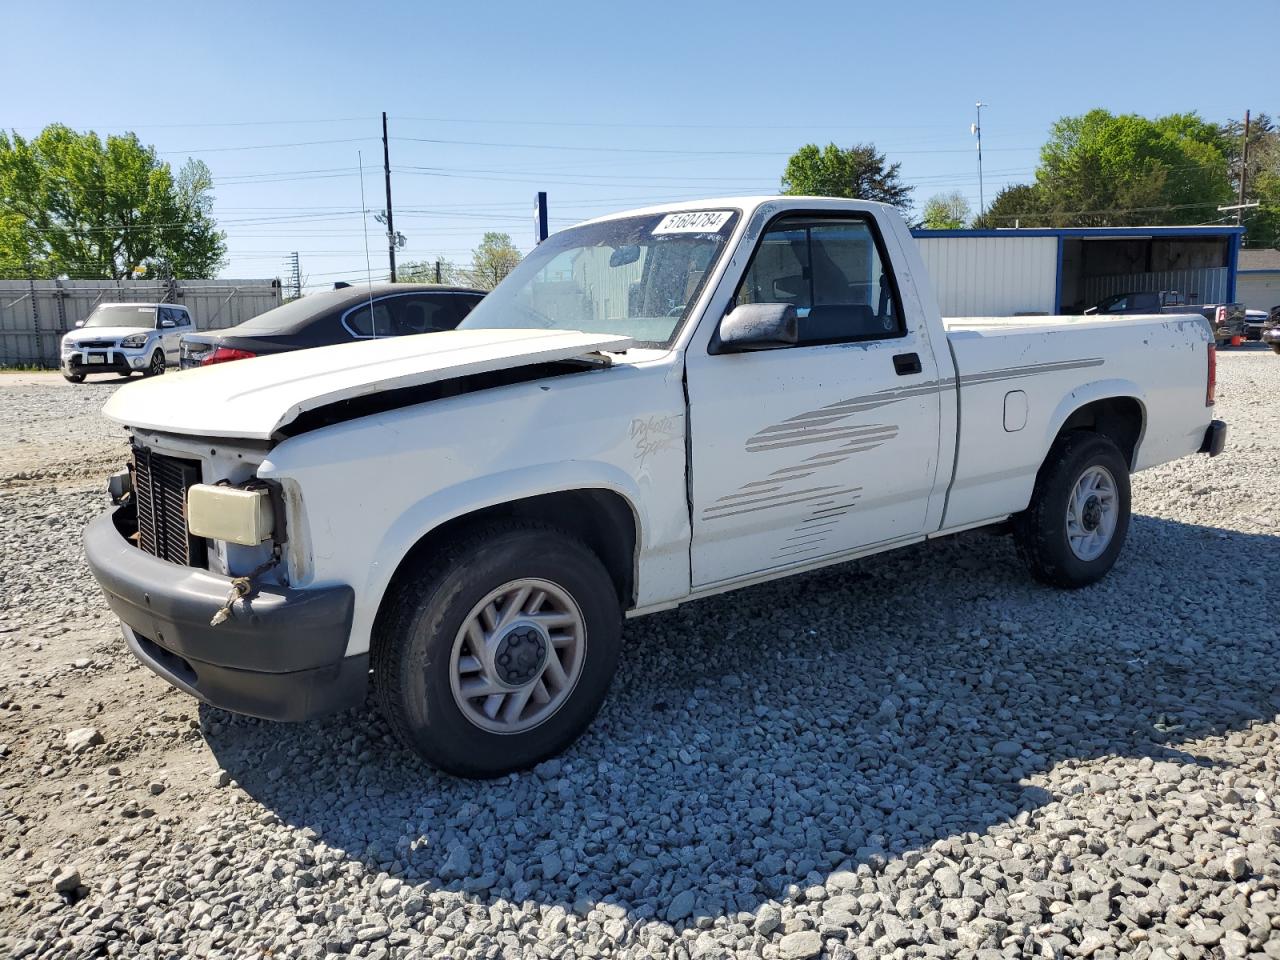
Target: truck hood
[(102, 333), (253, 399)]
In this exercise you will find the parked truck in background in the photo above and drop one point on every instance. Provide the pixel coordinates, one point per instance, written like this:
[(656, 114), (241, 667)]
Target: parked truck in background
[(652, 408), (1227, 320)]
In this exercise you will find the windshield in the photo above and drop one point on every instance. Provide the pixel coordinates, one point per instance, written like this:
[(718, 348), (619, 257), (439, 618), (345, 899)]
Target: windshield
[(634, 276), (121, 315)]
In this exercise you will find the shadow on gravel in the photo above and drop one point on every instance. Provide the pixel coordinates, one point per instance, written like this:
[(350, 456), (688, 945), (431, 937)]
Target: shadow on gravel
[(778, 734)]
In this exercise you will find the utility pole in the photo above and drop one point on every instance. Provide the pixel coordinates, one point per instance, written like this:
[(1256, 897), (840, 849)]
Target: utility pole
[(1244, 170), (391, 225), (437, 269), (976, 129)]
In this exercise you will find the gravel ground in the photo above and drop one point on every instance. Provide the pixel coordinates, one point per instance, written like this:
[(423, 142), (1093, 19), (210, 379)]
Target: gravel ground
[(923, 754)]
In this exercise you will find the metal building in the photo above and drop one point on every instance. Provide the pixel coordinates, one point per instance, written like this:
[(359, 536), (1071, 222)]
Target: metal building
[(1065, 270), (1258, 279)]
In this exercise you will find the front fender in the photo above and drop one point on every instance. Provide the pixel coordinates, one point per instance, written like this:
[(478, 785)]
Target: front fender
[(459, 500)]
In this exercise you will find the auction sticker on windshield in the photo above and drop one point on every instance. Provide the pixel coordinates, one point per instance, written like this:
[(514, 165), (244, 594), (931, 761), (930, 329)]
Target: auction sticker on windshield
[(695, 221)]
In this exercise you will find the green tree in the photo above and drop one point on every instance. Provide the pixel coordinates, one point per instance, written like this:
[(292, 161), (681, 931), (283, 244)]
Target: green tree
[(946, 211), (77, 206), (1262, 223), (424, 271), (1017, 205), (859, 173), (1104, 170), (492, 259)]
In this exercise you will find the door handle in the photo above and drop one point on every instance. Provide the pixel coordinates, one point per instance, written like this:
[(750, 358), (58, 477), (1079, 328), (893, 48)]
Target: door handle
[(906, 363)]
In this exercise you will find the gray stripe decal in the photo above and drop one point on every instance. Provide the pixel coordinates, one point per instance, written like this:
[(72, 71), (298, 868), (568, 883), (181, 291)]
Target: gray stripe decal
[(737, 499), (716, 513), (822, 426)]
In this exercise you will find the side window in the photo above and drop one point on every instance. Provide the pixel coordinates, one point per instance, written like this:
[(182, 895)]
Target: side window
[(360, 323), (832, 272), (424, 314), (1118, 305), (166, 318)]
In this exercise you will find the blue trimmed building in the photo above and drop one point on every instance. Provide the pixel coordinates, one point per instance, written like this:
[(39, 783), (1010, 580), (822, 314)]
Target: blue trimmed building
[(1065, 270)]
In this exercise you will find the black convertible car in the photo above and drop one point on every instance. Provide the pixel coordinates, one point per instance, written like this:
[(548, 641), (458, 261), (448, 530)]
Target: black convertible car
[(344, 315)]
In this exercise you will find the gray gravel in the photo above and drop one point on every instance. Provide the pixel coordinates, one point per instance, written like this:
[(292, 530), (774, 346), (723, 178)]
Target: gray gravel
[(923, 754)]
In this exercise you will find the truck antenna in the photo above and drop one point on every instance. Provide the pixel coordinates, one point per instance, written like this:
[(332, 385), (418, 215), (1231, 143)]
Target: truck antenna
[(368, 268)]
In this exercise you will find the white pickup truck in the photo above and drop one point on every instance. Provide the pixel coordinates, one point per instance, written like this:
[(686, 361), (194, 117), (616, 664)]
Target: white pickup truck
[(652, 408)]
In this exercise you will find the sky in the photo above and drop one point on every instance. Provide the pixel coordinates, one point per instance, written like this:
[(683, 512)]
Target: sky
[(604, 106)]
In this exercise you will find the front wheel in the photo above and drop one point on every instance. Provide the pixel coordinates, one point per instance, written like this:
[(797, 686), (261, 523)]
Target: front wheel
[(1275, 347), (499, 651), (155, 366), (73, 377), (1076, 524)]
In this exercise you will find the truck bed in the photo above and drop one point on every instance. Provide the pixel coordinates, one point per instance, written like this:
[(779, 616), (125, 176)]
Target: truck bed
[(1018, 377)]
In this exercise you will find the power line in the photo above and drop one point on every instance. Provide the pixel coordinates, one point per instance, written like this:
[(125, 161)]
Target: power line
[(709, 153), (263, 146)]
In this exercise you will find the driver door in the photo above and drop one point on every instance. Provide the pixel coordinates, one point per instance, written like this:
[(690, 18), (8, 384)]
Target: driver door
[(804, 453)]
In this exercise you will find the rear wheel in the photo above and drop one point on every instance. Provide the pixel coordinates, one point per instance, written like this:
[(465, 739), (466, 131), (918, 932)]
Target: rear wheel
[(499, 652), (155, 366), (1078, 519)]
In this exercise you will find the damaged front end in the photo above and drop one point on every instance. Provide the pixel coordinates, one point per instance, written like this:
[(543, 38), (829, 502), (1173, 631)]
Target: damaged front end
[(194, 562)]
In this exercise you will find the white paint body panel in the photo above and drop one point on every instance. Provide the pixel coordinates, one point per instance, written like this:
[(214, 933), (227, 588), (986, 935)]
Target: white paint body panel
[(360, 494), (994, 276)]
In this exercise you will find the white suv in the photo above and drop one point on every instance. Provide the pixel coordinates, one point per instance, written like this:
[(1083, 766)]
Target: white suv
[(122, 338)]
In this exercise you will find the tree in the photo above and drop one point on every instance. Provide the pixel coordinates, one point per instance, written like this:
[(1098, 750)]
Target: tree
[(946, 211), (424, 271), (493, 259), (1017, 205), (76, 206), (1262, 224), (1105, 170), (859, 173)]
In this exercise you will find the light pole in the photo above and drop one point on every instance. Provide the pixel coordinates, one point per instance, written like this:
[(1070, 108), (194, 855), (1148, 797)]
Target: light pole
[(976, 129)]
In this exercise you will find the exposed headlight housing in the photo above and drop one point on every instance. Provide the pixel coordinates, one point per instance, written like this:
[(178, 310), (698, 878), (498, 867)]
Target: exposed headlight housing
[(135, 341), (231, 514)]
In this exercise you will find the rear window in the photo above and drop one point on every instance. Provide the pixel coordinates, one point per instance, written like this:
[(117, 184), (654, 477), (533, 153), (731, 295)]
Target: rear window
[(288, 317)]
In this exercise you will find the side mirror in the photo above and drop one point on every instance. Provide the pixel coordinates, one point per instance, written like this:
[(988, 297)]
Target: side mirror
[(167, 324), (759, 326), (79, 323), (622, 256)]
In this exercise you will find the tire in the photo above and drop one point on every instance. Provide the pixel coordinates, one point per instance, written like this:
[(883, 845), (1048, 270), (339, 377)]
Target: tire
[(1041, 531), (421, 649), (1275, 348), (155, 366), (73, 377)]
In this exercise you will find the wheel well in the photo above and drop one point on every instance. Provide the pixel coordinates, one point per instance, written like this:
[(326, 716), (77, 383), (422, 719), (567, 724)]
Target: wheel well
[(602, 519), (1118, 418)]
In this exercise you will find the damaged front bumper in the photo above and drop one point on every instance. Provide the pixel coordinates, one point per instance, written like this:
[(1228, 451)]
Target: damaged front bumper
[(280, 656)]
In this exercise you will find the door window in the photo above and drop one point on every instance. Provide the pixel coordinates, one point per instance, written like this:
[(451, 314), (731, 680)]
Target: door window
[(361, 322), (835, 274), (424, 314)]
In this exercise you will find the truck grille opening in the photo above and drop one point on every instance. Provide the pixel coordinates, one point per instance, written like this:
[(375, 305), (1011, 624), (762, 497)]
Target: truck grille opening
[(160, 488)]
